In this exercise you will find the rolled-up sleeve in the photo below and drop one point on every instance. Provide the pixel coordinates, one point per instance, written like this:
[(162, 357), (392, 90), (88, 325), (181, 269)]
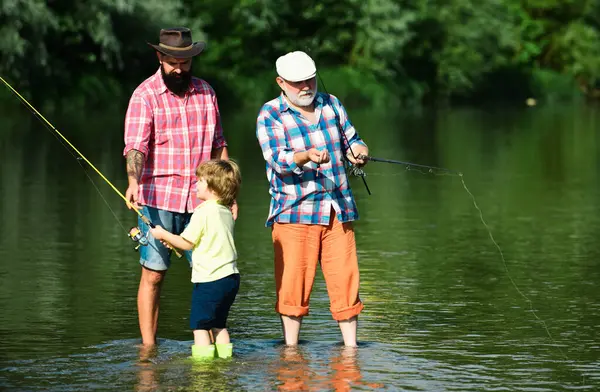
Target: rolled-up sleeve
[(276, 152), (219, 139), (138, 125)]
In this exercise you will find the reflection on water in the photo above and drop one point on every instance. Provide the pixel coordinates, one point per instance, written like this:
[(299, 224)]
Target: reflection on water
[(146, 375), (441, 312), (313, 366), (308, 367), (295, 372)]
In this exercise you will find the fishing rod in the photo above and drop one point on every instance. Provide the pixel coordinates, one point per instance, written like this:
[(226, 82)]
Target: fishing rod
[(357, 170), (135, 233), (409, 164)]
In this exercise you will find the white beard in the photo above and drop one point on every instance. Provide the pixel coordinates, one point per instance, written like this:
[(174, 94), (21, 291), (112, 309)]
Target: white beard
[(302, 99)]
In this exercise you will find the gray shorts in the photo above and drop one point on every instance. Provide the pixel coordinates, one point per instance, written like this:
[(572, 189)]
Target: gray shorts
[(155, 255)]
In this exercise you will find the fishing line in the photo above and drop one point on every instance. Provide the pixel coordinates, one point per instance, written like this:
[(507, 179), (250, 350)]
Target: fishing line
[(138, 237), (462, 179), (438, 171), (102, 196), (78, 159), (441, 171)]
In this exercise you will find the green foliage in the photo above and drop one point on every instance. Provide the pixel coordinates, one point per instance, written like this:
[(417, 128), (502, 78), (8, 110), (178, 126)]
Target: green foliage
[(577, 51), (354, 88), (383, 30), (24, 24), (63, 45), (465, 39), (374, 51), (553, 86)]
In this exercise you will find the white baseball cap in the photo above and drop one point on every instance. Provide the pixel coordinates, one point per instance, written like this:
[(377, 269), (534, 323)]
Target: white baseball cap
[(296, 66)]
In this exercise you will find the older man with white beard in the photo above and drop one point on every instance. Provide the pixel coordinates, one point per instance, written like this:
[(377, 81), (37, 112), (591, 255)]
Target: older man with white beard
[(312, 207)]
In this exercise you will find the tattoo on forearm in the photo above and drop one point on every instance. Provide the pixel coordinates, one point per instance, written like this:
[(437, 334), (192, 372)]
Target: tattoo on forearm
[(135, 163)]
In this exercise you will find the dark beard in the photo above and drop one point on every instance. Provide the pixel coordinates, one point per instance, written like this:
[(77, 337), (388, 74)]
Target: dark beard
[(177, 83)]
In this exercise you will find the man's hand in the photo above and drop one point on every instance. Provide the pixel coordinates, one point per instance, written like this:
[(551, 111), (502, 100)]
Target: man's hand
[(361, 152), (313, 155), (234, 210), (132, 194), (318, 156)]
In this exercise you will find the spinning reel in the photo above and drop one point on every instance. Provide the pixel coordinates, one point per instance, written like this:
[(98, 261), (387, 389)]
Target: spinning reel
[(136, 236), (355, 170), (142, 240)]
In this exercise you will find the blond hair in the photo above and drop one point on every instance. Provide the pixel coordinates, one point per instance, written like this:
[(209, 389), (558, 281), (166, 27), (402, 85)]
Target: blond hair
[(223, 177)]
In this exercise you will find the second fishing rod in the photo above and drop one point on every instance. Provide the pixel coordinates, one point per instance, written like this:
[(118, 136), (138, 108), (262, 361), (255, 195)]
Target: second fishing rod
[(135, 233)]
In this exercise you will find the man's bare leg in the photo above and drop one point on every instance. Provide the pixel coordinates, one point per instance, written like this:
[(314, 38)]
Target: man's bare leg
[(148, 303), (291, 329), (348, 328)]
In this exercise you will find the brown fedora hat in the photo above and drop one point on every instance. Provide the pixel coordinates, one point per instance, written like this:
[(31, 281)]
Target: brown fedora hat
[(177, 42)]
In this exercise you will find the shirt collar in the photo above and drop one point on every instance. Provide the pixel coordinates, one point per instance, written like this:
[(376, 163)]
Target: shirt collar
[(283, 105)]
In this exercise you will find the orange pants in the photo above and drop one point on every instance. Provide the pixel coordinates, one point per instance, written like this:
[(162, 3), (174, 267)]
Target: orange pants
[(298, 249)]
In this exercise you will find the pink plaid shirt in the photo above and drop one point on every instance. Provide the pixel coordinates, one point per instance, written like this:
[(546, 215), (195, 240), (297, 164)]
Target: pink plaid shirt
[(174, 134)]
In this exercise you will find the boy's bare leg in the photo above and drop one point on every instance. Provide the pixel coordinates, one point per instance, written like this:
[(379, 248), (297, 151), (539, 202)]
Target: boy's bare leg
[(221, 335), (348, 328), (291, 329), (148, 302), (202, 337)]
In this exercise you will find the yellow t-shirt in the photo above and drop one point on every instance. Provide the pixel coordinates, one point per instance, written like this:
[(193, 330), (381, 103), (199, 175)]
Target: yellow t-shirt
[(211, 231)]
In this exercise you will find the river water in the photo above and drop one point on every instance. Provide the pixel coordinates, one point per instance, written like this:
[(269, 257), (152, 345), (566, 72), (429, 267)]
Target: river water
[(450, 304)]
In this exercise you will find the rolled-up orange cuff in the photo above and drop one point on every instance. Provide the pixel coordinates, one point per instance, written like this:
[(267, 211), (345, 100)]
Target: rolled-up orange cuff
[(293, 311), (347, 313)]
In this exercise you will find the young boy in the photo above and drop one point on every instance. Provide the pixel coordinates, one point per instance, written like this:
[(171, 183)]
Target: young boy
[(214, 271)]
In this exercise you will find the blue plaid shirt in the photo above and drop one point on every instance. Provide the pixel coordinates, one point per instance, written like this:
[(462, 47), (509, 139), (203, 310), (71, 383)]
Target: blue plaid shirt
[(299, 194)]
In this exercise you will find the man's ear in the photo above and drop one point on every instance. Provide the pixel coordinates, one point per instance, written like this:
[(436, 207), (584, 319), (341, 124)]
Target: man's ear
[(279, 81)]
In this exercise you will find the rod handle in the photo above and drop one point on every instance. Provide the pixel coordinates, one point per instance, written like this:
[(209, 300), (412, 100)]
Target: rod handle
[(149, 223)]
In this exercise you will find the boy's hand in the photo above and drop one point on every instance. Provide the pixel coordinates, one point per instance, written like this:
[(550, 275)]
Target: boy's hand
[(166, 244), (158, 232), (161, 234)]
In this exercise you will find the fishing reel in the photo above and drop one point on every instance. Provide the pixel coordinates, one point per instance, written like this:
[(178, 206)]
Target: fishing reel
[(136, 236), (356, 170)]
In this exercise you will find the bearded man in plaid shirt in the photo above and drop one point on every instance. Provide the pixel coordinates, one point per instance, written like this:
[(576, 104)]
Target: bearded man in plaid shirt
[(172, 124), (312, 206)]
